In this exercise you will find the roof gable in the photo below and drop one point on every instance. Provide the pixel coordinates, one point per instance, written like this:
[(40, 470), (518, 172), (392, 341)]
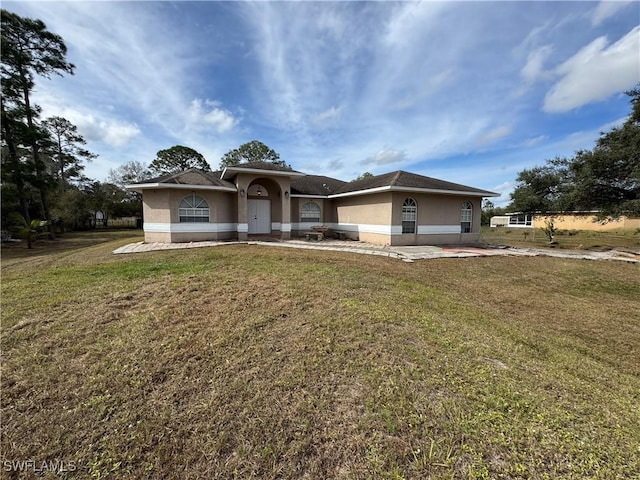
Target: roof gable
[(259, 167), (265, 166)]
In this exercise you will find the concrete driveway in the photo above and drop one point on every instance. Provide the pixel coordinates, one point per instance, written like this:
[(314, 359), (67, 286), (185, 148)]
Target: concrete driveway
[(407, 254)]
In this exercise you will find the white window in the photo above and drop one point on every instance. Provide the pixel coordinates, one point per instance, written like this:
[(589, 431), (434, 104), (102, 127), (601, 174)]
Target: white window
[(310, 212), (409, 214), (522, 219), (466, 215), (194, 209)]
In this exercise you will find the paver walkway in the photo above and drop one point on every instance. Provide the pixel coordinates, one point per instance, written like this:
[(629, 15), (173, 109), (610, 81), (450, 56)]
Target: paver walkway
[(407, 254)]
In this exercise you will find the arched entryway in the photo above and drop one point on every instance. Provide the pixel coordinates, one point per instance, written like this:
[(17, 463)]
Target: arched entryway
[(262, 198), (259, 210)]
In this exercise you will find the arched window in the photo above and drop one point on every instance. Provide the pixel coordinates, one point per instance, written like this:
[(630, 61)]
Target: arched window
[(466, 215), (310, 212), (194, 209), (409, 214)]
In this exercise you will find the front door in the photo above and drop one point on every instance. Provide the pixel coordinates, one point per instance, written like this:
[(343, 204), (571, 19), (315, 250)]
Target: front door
[(259, 213)]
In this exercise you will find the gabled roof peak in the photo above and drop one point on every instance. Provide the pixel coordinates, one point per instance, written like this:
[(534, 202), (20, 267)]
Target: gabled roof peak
[(262, 165), (253, 167)]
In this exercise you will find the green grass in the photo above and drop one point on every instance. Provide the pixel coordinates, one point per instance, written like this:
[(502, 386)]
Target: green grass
[(258, 362), (570, 239)]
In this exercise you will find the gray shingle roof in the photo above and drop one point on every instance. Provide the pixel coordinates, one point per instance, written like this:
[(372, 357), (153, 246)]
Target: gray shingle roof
[(193, 176), (401, 178), (315, 185), (319, 184)]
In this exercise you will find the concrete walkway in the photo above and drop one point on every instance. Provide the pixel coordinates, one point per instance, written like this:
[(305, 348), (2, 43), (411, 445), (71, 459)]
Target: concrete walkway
[(407, 254)]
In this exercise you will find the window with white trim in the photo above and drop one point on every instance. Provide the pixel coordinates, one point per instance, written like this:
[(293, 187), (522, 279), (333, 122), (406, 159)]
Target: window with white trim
[(409, 215), (194, 209), (525, 219), (466, 216), (310, 212)]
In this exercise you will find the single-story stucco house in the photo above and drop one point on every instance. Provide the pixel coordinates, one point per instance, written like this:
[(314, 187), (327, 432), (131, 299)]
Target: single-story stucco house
[(260, 198)]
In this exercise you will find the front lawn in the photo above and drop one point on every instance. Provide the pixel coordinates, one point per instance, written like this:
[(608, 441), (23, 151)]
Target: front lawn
[(259, 362)]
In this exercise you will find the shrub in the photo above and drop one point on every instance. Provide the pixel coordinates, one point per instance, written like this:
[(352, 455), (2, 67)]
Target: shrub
[(549, 230), (27, 231)]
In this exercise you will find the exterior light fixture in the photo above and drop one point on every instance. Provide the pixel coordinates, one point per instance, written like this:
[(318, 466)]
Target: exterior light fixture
[(286, 194), (242, 192), (259, 190)]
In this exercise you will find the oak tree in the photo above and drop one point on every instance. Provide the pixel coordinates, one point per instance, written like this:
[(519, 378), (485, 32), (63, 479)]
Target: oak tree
[(176, 159), (605, 178), (254, 151)]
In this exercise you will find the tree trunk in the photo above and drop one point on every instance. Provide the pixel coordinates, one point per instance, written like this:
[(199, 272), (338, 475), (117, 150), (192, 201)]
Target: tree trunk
[(16, 168), (41, 184)]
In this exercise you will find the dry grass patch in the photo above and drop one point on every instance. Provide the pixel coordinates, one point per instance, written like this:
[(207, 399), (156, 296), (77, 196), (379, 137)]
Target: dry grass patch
[(257, 362), (570, 239)]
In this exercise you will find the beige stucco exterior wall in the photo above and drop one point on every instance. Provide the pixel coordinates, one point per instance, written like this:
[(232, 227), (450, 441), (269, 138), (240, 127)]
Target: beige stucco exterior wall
[(156, 206), (221, 204), (586, 222), (374, 209), (368, 212), (437, 210), (384, 210), (162, 207), (153, 237)]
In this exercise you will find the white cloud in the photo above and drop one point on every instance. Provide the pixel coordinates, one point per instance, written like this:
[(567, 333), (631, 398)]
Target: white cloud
[(504, 189), (530, 142), (411, 20), (533, 38), (325, 117), (534, 68), (596, 72), (118, 134), (94, 128), (203, 115), (606, 9), (495, 134), (384, 157)]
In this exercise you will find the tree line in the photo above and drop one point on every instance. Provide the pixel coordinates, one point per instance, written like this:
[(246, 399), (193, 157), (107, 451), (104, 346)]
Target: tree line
[(605, 179), (43, 160)]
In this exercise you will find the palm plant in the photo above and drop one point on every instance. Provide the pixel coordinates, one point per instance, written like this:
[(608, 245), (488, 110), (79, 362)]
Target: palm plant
[(28, 231)]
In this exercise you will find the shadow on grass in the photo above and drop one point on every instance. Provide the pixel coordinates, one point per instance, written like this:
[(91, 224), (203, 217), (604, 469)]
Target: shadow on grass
[(64, 243)]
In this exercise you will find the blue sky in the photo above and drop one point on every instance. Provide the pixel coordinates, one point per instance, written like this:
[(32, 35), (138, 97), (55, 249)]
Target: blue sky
[(470, 92)]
